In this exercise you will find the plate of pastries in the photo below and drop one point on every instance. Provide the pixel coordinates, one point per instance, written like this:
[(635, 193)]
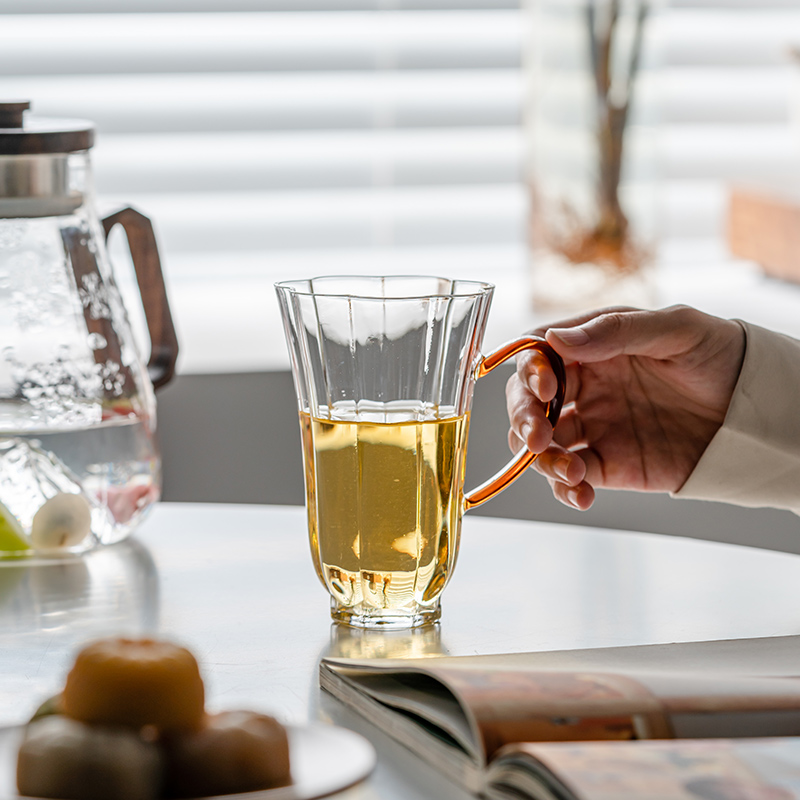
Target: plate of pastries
[(131, 724)]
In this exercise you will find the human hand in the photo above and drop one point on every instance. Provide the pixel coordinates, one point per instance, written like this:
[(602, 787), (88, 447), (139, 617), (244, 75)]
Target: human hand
[(646, 392)]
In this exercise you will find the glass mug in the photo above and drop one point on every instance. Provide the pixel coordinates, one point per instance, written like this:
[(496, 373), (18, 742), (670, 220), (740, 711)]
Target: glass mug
[(384, 370)]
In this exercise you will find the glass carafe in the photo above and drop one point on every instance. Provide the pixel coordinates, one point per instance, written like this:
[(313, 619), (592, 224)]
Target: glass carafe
[(79, 462)]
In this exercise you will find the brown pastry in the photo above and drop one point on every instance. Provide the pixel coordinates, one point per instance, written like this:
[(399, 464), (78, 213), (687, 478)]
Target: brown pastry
[(66, 759), (234, 751), (135, 682)]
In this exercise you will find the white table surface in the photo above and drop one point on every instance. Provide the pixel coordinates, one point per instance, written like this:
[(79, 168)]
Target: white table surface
[(236, 584)]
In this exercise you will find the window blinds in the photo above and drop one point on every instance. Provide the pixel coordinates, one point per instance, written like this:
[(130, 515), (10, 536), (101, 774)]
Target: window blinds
[(272, 134), (727, 105), (266, 137)]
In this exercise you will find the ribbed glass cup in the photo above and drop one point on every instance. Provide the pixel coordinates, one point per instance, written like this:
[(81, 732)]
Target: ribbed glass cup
[(384, 370)]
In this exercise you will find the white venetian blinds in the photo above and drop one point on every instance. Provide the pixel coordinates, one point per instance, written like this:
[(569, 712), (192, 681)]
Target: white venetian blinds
[(260, 135), (267, 137), (727, 105)]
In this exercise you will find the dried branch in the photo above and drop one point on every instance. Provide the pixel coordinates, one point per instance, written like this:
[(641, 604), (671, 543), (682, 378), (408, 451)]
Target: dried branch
[(611, 231), (636, 51)]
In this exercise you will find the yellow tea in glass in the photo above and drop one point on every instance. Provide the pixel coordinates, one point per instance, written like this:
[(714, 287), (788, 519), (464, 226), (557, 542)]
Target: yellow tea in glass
[(384, 370), (390, 544)]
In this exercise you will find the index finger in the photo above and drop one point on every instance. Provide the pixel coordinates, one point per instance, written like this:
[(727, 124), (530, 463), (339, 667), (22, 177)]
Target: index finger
[(535, 371)]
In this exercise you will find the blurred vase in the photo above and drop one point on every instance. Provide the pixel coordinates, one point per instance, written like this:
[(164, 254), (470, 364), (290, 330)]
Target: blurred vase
[(590, 153)]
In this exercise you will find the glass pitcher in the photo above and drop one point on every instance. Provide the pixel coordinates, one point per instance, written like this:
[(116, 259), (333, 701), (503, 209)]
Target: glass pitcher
[(79, 462)]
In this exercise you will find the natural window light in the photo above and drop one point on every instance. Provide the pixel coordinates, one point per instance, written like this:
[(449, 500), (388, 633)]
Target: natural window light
[(285, 138)]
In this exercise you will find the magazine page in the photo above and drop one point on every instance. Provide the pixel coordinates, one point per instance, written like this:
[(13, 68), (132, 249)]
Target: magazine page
[(483, 709), (460, 759), (709, 769), (773, 656), (421, 696)]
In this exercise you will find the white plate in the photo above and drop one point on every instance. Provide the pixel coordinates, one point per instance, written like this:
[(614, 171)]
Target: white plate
[(325, 759)]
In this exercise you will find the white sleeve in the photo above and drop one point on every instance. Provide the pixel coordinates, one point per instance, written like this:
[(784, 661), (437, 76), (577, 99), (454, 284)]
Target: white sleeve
[(754, 458)]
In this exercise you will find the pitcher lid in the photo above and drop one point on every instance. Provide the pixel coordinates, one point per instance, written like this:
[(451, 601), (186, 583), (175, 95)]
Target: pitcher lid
[(22, 134)]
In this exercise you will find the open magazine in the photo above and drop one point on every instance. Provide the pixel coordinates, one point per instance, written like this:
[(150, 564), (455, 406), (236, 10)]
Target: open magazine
[(682, 769), (592, 724)]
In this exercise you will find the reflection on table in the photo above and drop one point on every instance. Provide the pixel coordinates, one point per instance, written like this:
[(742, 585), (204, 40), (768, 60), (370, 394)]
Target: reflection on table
[(236, 584)]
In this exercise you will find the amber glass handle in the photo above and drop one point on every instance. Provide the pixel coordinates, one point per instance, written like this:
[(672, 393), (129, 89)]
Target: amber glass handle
[(146, 263), (524, 458)]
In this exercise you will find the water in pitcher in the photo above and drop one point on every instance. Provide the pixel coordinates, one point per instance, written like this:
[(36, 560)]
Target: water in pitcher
[(384, 494), (114, 464)]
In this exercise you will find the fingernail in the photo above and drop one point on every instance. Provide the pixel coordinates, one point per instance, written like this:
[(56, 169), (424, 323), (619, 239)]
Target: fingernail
[(572, 496), (560, 467), (526, 431), (572, 337), (533, 383)]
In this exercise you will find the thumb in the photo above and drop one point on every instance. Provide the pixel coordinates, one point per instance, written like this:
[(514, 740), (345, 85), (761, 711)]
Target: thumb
[(657, 334)]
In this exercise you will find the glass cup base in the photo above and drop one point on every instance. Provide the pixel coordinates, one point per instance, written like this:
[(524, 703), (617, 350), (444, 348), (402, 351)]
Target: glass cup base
[(361, 616)]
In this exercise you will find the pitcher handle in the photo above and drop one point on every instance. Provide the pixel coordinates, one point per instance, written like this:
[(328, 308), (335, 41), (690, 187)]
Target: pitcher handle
[(146, 263), (524, 458)]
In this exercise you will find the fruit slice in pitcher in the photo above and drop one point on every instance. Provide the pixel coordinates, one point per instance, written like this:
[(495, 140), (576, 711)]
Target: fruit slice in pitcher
[(12, 537)]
